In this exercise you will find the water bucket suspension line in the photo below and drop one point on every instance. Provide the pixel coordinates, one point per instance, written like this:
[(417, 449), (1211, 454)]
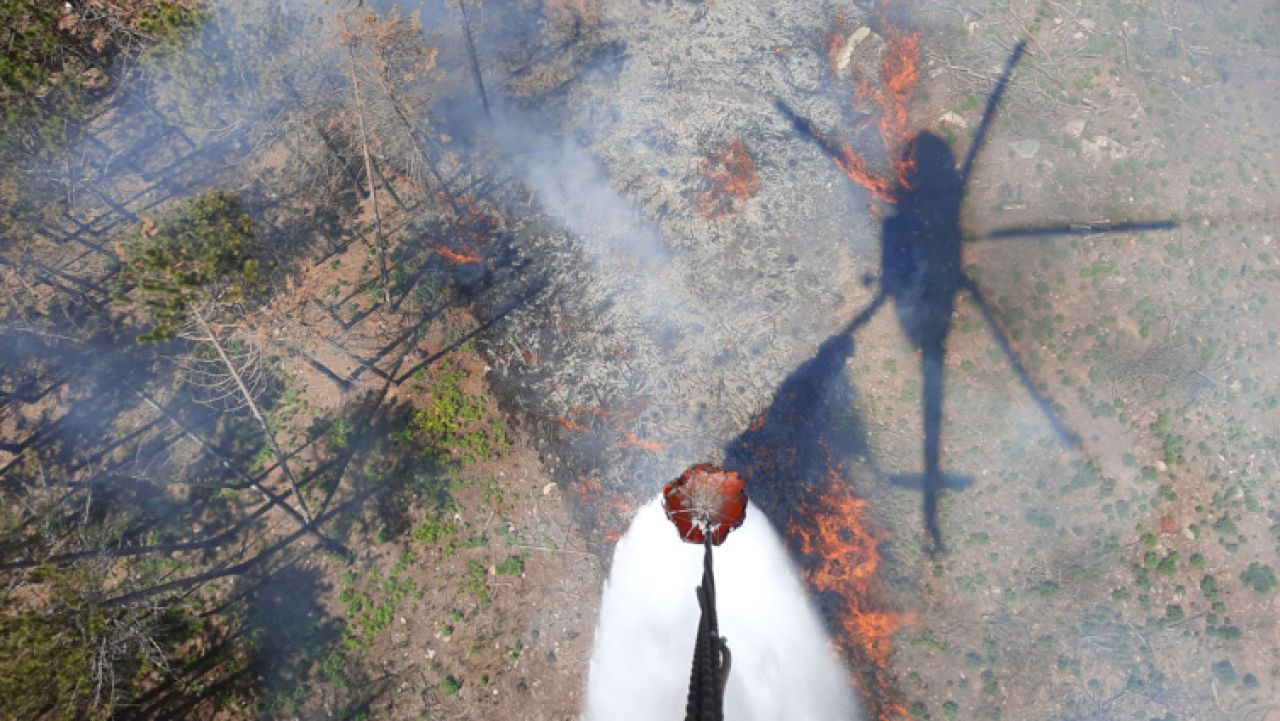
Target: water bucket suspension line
[(711, 657)]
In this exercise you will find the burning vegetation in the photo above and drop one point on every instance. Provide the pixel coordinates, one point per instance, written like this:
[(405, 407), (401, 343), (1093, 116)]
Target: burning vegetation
[(842, 545), (729, 179), (891, 96), (470, 229)]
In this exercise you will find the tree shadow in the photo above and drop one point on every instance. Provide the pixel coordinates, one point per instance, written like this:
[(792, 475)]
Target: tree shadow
[(286, 618)]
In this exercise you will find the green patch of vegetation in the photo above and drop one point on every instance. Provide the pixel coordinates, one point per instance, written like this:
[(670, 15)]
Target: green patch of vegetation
[(476, 583), (511, 566), (1141, 577), (1224, 671), (1209, 587), (1225, 526), (200, 249), (1225, 632), (74, 657), (928, 639), (1040, 518), (989, 682), (455, 424), (1259, 577), (45, 59), (167, 21), (450, 686), (1174, 445), (438, 527), (339, 433), (1044, 589)]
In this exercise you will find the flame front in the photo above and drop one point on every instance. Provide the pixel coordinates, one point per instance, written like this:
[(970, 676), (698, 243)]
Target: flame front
[(470, 229), (833, 530), (899, 74), (837, 533)]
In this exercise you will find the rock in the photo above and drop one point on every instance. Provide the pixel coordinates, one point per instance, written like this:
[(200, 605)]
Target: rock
[(1026, 149), (547, 489), (851, 44), (1075, 128), (954, 120)]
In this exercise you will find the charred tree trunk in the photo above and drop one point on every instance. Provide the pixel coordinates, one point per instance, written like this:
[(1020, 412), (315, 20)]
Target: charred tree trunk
[(419, 142)]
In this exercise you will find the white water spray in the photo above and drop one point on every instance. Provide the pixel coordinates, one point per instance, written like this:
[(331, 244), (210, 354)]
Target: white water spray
[(783, 664)]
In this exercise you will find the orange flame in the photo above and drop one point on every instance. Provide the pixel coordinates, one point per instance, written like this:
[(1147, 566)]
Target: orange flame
[(572, 425), (835, 530), (470, 228), (730, 177), (593, 411), (899, 74), (855, 167), (454, 256), (631, 440), (613, 508)]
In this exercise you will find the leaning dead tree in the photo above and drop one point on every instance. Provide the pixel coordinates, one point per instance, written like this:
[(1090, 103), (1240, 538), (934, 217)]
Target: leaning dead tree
[(191, 272), (237, 369), (370, 177)]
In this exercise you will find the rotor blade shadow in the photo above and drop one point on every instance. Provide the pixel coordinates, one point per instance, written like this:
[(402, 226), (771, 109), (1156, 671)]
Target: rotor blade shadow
[(917, 481), (1032, 231), (805, 128), (988, 114), (1068, 438)]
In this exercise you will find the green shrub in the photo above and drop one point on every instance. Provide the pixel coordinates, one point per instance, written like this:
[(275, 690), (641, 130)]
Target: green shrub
[(1040, 518), (1259, 577), (198, 250), (1224, 671), (511, 566)]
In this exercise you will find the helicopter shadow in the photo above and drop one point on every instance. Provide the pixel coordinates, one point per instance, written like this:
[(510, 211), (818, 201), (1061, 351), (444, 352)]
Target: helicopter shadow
[(922, 272), (809, 431)]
